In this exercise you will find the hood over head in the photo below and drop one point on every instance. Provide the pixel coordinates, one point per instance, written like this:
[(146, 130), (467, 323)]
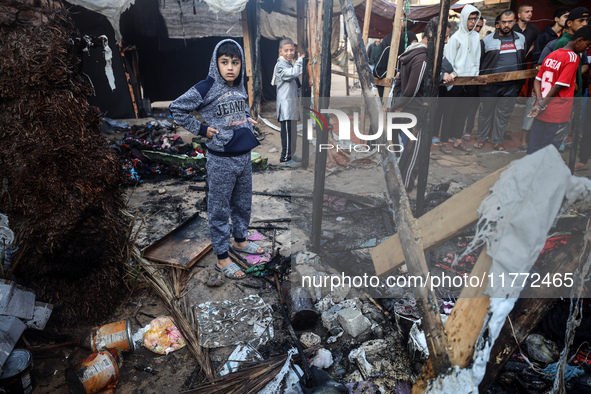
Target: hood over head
[(214, 71), (411, 51), (464, 15)]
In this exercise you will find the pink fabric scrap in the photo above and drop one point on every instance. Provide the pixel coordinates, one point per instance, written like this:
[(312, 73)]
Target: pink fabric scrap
[(254, 259), (255, 237)]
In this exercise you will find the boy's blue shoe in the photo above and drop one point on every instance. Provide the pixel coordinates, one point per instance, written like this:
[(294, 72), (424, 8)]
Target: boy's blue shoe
[(297, 159), (290, 163)]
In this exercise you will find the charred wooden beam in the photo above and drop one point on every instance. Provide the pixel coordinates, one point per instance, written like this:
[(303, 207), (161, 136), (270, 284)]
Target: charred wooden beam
[(408, 228), (303, 48), (322, 136)]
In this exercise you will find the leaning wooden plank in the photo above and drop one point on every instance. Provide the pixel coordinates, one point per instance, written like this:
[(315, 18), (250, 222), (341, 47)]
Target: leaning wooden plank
[(438, 225), (464, 323), (467, 317)]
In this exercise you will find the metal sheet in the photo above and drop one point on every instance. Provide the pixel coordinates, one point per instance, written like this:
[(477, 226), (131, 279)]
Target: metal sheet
[(11, 330), (41, 315), (184, 245), (16, 300)]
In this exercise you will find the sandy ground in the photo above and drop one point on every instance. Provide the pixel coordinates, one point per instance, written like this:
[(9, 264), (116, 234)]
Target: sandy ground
[(165, 204)]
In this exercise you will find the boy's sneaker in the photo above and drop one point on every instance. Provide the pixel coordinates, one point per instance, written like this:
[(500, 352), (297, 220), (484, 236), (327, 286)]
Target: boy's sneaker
[(297, 159), (290, 163)]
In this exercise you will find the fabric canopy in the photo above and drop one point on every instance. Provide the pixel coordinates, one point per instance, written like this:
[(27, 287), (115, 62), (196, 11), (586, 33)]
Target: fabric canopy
[(382, 14)]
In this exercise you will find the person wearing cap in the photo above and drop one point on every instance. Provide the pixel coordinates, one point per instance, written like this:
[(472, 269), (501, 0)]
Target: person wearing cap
[(577, 18), (549, 34), (554, 91)]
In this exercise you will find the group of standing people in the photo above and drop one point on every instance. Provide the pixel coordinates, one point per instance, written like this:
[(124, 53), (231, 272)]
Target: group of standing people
[(221, 100), (560, 50)]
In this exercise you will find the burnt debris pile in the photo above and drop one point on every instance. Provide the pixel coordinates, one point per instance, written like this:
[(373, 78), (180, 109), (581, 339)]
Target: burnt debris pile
[(61, 183)]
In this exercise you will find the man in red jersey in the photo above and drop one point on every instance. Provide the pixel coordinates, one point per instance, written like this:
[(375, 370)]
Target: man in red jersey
[(554, 88)]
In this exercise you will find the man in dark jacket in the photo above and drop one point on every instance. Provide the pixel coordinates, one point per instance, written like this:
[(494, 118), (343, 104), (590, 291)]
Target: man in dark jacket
[(503, 51), (409, 95), (551, 32), (381, 65)]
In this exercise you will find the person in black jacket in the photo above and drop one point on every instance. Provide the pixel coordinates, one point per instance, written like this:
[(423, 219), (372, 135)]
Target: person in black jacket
[(381, 65), (410, 97), (550, 33)]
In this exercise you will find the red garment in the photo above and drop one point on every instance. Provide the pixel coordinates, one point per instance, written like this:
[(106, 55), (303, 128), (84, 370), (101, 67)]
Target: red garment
[(559, 67)]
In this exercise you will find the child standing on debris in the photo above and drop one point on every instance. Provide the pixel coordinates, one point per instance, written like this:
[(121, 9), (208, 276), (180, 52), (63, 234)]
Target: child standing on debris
[(285, 78), (222, 102)]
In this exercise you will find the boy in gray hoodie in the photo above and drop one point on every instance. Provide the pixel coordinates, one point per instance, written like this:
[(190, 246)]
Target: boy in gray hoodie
[(222, 102)]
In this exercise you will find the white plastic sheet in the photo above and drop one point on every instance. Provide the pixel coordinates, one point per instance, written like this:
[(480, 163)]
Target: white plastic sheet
[(514, 223), (232, 6), (112, 9)]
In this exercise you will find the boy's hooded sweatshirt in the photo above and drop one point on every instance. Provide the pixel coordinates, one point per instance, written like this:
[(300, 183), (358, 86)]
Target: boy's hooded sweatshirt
[(463, 48), (223, 107)]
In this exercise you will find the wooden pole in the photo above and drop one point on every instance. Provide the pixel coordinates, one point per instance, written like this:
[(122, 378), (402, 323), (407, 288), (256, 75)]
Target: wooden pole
[(366, 25), (366, 21), (346, 64), (254, 16), (322, 136), (431, 85), (572, 158), (394, 44), (314, 37), (247, 56), (303, 48), (408, 228)]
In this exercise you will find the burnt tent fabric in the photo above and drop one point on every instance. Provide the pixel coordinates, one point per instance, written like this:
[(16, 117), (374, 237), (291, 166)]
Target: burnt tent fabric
[(115, 104)]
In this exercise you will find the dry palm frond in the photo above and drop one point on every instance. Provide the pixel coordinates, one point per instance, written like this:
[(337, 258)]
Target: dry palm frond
[(180, 310), (251, 378)]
